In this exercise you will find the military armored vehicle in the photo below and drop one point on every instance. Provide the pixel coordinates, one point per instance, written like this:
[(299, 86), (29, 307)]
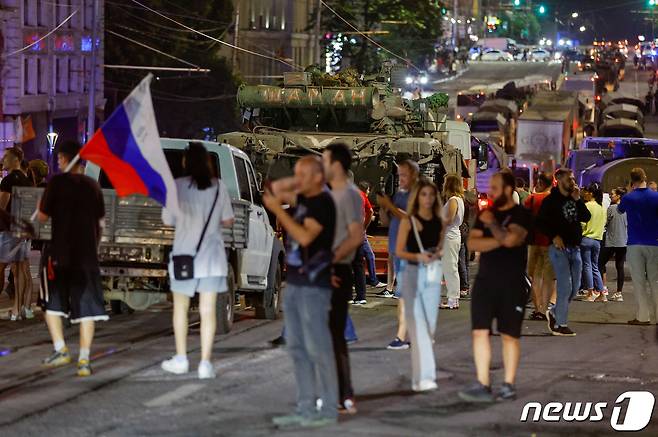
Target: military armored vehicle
[(311, 110)]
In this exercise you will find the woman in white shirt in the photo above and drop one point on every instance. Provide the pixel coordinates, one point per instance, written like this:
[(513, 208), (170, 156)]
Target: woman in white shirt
[(204, 202), (453, 215)]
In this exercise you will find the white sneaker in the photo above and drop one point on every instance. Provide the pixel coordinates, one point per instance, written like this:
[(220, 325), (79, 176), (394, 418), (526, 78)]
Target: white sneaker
[(28, 313), (425, 385), (380, 285), (206, 370), (176, 365)]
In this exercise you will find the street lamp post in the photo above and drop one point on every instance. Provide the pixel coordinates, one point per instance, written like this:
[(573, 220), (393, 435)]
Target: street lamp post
[(91, 114)]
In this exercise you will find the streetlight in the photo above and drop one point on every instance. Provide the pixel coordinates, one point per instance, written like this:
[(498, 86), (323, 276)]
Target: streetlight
[(52, 139), (575, 14), (582, 28), (542, 9), (640, 38)]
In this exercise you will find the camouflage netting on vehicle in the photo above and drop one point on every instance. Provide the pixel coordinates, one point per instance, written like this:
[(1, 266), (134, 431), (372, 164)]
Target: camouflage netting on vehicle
[(437, 100), (347, 77)]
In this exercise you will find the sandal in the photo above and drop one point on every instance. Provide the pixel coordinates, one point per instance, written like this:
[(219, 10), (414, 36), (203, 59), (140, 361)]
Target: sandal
[(11, 316)]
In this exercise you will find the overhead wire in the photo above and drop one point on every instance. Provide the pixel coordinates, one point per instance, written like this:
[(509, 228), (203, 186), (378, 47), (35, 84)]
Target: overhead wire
[(151, 23), (173, 14), (111, 32), (27, 47), (360, 32), (293, 65)]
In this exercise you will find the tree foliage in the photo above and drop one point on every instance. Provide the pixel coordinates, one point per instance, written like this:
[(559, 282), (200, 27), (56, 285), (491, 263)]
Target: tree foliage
[(413, 28), (523, 27), (187, 105)]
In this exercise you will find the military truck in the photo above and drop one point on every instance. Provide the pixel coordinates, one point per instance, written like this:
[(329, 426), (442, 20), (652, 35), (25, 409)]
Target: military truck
[(310, 110), (135, 244)]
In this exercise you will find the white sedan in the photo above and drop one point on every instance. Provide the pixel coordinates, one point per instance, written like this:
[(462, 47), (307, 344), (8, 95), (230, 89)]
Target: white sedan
[(497, 55), (540, 55)]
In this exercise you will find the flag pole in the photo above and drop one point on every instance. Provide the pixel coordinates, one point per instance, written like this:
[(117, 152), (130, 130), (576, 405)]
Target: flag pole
[(72, 164)]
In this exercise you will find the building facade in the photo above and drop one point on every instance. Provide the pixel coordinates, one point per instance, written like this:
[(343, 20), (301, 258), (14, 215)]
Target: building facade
[(282, 29), (46, 69)]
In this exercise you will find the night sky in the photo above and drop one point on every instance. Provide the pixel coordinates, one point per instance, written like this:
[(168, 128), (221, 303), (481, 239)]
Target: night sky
[(612, 19)]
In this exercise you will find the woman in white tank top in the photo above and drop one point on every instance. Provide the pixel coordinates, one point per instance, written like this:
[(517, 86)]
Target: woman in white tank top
[(453, 215)]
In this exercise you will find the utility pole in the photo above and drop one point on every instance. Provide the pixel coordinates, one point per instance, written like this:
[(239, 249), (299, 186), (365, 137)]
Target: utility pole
[(91, 114), (318, 20), (455, 28), (236, 29)]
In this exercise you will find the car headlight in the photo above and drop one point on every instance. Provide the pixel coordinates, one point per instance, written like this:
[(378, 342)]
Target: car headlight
[(409, 80), (423, 80)]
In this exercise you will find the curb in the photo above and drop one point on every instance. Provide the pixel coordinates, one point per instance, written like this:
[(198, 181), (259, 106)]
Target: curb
[(449, 78)]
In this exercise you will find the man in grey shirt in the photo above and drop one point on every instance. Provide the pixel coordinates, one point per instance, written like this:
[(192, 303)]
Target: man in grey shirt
[(337, 160), (616, 236)]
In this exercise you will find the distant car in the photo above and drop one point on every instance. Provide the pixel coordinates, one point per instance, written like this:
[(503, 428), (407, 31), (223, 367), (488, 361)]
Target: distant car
[(497, 55), (586, 63), (417, 80), (540, 55)]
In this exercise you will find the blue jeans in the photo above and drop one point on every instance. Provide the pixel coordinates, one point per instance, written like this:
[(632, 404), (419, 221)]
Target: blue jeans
[(464, 280), (568, 267), (370, 261), (589, 251), (309, 342), (421, 310)]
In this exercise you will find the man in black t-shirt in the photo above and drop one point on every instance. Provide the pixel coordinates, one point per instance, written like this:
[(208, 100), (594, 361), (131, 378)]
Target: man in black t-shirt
[(500, 291), (72, 285), (15, 251), (310, 226)]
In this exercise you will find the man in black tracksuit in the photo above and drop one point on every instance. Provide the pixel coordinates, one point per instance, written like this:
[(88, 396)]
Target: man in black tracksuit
[(559, 218)]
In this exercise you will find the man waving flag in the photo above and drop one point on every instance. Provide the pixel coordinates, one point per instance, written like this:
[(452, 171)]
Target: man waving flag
[(127, 147)]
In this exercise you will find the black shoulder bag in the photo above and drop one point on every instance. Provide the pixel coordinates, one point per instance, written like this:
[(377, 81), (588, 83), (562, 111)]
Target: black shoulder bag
[(184, 264)]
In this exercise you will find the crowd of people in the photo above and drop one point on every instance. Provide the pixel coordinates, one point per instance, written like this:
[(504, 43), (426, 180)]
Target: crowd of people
[(552, 243), (14, 251)]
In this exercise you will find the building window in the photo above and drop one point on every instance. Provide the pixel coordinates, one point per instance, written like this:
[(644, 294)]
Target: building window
[(30, 86), (88, 8), (42, 75), (62, 75), (30, 12), (85, 75), (70, 77)]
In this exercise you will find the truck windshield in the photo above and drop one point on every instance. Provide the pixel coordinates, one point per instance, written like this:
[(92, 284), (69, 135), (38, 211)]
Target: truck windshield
[(470, 99), (175, 160), (484, 126)]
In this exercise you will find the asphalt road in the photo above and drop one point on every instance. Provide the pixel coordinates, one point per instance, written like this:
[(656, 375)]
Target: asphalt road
[(485, 73), (129, 395)]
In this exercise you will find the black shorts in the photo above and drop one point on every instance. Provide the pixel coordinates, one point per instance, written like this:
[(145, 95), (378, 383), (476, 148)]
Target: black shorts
[(74, 293), (501, 300)]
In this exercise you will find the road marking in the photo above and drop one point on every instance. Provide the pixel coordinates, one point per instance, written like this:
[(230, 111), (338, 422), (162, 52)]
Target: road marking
[(175, 395)]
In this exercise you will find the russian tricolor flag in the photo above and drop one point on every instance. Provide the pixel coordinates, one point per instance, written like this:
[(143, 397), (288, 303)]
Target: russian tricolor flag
[(127, 147)]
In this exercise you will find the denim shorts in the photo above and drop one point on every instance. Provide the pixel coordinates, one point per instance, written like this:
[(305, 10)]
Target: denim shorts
[(398, 267), (13, 249), (213, 284)]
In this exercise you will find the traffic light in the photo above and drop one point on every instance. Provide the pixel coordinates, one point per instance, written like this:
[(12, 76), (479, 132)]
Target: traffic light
[(445, 11), (652, 2), (542, 8), (518, 2)]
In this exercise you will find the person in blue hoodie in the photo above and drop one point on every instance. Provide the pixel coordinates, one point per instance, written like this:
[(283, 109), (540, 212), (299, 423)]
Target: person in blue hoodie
[(641, 208)]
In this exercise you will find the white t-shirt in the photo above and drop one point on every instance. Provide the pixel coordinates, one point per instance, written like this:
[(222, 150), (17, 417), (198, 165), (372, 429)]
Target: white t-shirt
[(195, 207), (452, 229)]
